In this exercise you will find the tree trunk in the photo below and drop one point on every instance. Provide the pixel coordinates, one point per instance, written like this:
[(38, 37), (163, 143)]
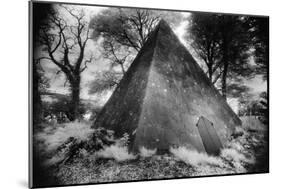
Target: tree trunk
[(37, 102), (225, 59), (123, 69), (224, 77), (75, 98), (210, 71)]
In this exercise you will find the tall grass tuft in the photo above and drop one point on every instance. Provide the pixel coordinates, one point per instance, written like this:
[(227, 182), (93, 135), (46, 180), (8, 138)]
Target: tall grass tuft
[(194, 157), (144, 152), (116, 152)]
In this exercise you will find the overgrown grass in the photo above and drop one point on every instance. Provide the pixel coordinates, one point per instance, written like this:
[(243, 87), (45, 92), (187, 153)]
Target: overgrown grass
[(55, 136), (195, 158), (113, 162)]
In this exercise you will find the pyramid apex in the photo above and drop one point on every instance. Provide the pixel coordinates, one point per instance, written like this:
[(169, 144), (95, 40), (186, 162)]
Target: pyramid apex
[(164, 28), (163, 23)]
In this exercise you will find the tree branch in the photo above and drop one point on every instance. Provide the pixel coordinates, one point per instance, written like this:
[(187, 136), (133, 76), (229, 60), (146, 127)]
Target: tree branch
[(86, 62), (217, 77)]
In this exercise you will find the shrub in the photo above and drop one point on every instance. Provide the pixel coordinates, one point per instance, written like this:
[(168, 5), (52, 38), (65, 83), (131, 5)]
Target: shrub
[(100, 138), (53, 138), (252, 123), (60, 107), (238, 132), (124, 140), (64, 142)]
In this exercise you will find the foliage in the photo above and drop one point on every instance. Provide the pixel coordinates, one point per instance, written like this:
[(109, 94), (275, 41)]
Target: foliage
[(98, 140), (42, 81), (129, 27), (237, 90), (258, 107), (104, 81), (61, 110), (204, 35), (223, 42), (40, 84), (71, 140), (264, 108), (252, 123), (259, 29)]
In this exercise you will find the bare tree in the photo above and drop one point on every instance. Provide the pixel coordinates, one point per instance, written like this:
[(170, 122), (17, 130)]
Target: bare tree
[(116, 54), (123, 33), (64, 42)]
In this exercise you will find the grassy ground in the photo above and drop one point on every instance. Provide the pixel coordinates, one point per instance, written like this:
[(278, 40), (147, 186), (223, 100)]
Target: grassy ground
[(245, 154)]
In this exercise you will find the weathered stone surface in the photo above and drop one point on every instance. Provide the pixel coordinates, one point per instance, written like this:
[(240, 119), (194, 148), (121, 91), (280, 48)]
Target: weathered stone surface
[(209, 136), (162, 96)]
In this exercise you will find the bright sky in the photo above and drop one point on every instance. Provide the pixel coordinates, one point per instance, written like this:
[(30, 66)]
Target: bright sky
[(256, 84)]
